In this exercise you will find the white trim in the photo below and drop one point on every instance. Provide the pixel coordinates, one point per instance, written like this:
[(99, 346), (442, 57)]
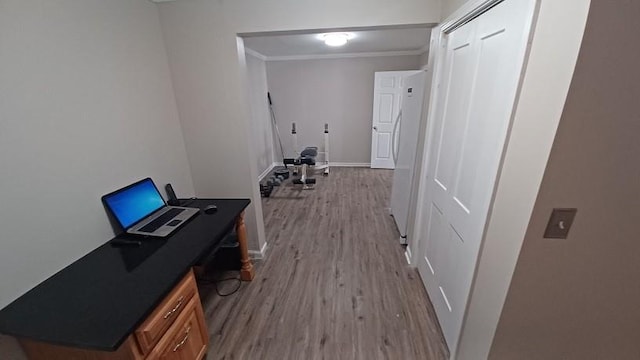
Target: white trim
[(466, 13), (348, 164), (337, 164), (254, 54), (346, 55), (407, 254), (258, 254), (267, 171)]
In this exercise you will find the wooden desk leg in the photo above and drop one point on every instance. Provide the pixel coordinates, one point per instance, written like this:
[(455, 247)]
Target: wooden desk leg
[(246, 271)]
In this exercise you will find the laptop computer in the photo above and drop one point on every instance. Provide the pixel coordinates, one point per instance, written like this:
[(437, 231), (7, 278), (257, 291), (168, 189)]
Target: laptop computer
[(140, 209)]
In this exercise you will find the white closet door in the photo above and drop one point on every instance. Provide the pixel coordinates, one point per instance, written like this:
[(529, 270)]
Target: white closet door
[(481, 73)]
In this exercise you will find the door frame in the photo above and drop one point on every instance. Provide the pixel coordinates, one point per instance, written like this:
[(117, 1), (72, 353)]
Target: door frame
[(421, 176)]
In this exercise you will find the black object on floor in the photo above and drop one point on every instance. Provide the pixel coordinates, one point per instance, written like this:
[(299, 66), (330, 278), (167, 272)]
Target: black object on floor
[(282, 172), (228, 255)]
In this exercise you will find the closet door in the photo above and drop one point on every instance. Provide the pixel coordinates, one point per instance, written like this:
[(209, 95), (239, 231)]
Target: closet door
[(481, 73)]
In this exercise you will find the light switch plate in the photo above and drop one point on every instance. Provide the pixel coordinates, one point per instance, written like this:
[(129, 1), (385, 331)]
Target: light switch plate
[(560, 223)]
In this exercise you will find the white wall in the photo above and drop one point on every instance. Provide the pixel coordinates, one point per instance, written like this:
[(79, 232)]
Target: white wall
[(450, 6), (424, 60), (207, 70), (334, 91), (578, 298), (86, 106), (261, 128)]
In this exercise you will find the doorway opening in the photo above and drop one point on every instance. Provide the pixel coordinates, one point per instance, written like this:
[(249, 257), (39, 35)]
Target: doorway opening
[(304, 93), (335, 244)]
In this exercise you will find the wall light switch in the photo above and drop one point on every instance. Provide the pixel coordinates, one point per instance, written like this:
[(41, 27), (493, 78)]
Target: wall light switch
[(560, 223)]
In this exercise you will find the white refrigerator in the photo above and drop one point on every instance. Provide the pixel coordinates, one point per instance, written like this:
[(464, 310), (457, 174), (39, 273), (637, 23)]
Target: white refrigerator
[(405, 144)]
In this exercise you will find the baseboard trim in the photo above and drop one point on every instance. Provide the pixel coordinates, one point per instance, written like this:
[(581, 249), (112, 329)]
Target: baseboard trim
[(349, 164), (339, 164), (407, 254), (267, 171), (258, 254)]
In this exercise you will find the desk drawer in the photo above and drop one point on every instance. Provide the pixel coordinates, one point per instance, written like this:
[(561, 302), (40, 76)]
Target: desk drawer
[(154, 327), (187, 338)]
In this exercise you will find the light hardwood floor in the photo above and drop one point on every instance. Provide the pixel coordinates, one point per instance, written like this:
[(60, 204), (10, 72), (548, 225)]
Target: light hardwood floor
[(334, 285)]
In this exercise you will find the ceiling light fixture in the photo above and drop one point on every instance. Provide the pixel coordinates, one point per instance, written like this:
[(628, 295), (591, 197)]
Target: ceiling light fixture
[(336, 39)]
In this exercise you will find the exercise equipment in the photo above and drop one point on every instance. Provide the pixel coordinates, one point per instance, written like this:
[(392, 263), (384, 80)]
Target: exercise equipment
[(305, 164), (275, 181), (284, 173), (278, 177), (266, 190), (275, 127)]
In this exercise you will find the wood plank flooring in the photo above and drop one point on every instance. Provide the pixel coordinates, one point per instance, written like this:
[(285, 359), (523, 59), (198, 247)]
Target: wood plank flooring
[(334, 285)]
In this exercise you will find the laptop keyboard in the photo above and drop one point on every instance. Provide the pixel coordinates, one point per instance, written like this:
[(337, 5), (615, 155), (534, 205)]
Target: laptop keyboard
[(160, 220)]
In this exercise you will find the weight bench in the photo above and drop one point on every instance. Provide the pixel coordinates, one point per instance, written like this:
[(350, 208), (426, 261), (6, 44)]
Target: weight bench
[(305, 163)]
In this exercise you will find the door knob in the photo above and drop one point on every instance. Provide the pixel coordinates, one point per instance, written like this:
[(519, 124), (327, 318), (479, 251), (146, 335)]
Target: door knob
[(375, 128)]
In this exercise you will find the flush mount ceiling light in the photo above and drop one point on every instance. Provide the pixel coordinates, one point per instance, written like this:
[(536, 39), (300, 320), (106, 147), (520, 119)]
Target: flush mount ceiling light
[(336, 39)]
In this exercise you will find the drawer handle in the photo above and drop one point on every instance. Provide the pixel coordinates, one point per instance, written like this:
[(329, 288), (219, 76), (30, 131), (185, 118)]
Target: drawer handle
[(186, 336), (168, 314)]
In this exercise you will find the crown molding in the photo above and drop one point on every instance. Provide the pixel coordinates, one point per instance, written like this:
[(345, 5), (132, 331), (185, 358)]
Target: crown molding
[(424, 49), (345, 55), (255, 54)]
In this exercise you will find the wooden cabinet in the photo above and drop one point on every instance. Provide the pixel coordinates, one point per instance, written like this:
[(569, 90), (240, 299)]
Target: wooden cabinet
[(43, 351), (152, 329), (186, 339), (175, 330)]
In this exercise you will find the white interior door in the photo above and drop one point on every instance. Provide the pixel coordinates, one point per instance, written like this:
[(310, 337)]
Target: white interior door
[(478, 84), (387, 98)]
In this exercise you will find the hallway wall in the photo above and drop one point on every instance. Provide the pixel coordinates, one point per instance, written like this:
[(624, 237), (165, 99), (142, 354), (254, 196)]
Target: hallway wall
[(261, 128), (334, 91), (578, 298), (86, 107)]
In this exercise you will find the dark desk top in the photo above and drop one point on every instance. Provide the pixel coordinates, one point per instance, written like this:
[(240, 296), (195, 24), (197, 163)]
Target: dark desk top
[(99, 300)]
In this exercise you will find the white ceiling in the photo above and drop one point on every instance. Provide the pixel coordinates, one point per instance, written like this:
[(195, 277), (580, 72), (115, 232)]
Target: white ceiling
[(409, 40)]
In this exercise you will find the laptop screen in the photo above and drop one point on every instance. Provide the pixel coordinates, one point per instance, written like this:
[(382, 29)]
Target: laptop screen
[(134, 202)]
